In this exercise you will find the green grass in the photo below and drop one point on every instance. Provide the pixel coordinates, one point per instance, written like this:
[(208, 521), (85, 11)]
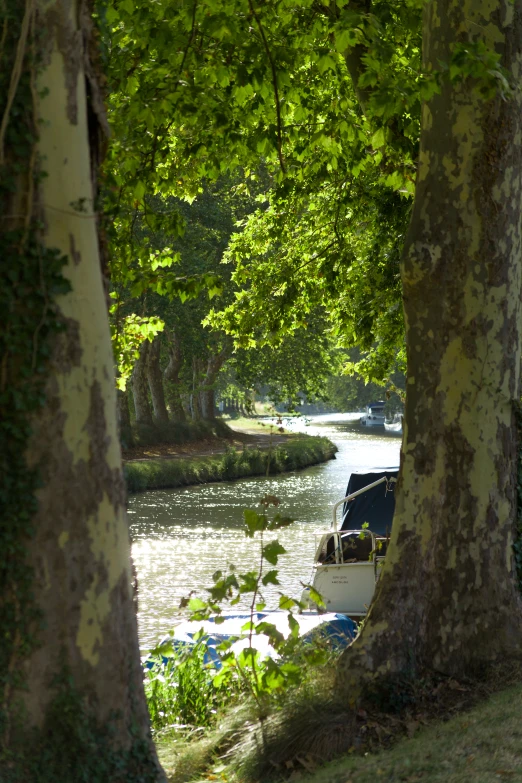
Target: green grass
[(298, 452), (483, 745), (479, 746)]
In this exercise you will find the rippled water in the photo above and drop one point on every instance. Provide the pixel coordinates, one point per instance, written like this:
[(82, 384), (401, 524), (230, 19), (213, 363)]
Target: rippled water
[(182, 536)]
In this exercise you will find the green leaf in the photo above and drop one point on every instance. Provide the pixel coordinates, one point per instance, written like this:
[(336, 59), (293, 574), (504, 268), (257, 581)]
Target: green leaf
[(279, 521), (294, 626), (270, 578), (254, 522), (196, 605), (272, 551), (285, 602), (378, 139), (316, 597)]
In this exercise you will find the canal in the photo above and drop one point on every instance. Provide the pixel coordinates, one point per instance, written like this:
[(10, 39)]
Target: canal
[(180, 537)]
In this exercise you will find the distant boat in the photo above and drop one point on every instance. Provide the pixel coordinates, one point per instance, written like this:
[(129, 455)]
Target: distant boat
[(394, 427), (374, 416)]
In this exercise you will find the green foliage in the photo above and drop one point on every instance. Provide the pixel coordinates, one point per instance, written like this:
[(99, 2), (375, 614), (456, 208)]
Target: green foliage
[(329, 99), (299, 452), (127, 335), (181, 692), (348, 392)]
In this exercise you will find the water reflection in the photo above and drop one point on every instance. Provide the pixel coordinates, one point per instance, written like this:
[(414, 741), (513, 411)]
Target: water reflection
[(181, 536)]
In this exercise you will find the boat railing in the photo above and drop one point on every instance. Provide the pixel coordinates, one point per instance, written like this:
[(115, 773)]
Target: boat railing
[(355, 494)]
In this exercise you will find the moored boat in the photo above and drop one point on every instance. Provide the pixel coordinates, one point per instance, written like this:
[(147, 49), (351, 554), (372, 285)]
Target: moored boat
[(348, 558), (394, 427), (338, 629), (374, 416)]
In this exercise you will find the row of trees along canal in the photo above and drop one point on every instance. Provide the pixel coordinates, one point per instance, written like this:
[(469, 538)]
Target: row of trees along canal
[(327, 100), (174, 355), (175, 360)]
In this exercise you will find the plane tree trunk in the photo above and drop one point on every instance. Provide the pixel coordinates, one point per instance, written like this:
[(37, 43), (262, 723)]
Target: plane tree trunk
[(155, 379), (140, 389), (72, 704), (195, 395), (124, 422), (447, 599), (208, 393), (171, 374)]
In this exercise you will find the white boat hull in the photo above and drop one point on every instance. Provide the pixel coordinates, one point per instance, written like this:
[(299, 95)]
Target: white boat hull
[(346, 588), (372, 421), (394, 429)]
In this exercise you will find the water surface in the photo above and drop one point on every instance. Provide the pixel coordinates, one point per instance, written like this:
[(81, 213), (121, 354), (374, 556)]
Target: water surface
[(182, 536)]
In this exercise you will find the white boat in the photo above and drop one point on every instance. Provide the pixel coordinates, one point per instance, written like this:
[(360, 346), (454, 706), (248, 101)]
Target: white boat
[(374, 416), (348, 559), (234, 627), (394, 427)]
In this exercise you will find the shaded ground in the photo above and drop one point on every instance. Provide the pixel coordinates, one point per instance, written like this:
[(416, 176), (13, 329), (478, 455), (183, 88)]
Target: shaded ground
[(467, 732), (242, 433)]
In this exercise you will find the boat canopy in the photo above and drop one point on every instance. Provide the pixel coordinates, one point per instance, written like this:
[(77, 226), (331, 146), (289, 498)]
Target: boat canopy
[(379, 404), (376, 506)]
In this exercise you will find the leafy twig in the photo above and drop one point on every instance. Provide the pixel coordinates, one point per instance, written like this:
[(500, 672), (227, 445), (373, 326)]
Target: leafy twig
[(276, 89)]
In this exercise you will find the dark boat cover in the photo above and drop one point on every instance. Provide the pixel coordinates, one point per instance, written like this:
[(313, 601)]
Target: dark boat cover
[(375, 507)]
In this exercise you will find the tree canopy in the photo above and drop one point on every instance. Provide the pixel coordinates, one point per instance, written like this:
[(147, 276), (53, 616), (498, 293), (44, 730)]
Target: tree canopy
[(327, 99)]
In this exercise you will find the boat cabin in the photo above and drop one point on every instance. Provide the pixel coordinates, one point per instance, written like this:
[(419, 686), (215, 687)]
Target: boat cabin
[(374, 416), (349, 556)]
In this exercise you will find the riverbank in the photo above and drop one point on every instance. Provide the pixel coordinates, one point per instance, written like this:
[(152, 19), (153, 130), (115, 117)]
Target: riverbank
[(482, 743), (248, 454)]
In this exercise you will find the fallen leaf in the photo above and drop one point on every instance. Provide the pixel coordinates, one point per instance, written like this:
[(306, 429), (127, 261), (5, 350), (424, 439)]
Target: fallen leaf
[(412, 727), (307, 762), (456, 686)]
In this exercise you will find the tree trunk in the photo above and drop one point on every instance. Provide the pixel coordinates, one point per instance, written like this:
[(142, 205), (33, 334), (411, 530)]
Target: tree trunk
[(195, 398), (124, 422), (72, 684), (140, 389), (155, 380), (208, 394), (447, 599), (171, 374), (186, 402)]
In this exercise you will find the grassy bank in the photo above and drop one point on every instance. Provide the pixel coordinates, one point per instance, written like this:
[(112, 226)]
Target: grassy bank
[(478, 745), (297, 452), (482, 745)]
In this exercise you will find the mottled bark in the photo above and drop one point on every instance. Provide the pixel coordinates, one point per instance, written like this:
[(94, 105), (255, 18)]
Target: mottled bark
[(447, 599), (208, 394), (155, 379), (78, 551), (140, 388), (124, 422), (171, 374)]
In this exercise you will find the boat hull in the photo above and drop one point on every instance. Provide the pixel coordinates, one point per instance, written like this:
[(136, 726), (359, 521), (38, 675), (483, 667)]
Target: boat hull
[(346, 588), (372, 421)]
